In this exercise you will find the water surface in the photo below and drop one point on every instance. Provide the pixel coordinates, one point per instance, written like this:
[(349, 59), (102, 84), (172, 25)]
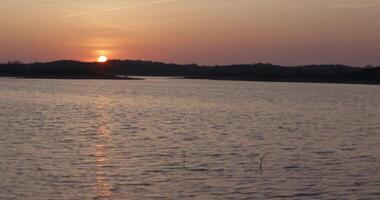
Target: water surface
[(188, 139)]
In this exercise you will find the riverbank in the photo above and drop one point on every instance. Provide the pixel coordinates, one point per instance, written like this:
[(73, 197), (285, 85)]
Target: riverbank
[(295, 80), (102, 77)]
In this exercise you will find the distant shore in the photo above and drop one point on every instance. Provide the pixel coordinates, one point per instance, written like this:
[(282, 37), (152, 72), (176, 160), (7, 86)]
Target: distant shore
[(100, 77), (113, 77), (340, 81), (125, 69)]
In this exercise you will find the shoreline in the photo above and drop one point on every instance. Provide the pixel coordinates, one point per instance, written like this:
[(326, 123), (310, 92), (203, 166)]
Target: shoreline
[(74, 77), (136, 77), (119, 69), (339, 81)]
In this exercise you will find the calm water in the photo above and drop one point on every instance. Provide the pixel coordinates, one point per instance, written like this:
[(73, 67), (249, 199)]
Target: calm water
[(188, 139)]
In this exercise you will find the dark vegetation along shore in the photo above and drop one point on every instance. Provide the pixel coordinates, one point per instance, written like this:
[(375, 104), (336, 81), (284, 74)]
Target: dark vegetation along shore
[(118, 69)]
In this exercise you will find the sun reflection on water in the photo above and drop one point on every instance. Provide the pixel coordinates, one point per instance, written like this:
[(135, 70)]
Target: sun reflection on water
[(103, 131), (103, 185)]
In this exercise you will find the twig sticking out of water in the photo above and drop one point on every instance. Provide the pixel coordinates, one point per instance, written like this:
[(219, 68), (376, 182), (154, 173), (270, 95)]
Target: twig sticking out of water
[(261, 161), (184, 158)]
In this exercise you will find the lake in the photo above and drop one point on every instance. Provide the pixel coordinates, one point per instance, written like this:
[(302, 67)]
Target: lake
[(163, 138)]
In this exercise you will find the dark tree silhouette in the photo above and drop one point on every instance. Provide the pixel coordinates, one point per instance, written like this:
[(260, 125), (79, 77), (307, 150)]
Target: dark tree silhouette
[(115, 69)]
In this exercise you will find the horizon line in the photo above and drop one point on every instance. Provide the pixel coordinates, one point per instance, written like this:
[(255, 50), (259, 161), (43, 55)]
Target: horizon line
[(172, 63)]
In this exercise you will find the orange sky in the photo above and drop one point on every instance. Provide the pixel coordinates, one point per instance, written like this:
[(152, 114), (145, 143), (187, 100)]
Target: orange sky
[(192, 31)]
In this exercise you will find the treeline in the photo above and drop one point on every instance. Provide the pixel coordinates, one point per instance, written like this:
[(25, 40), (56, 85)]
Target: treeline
[(260, 71)]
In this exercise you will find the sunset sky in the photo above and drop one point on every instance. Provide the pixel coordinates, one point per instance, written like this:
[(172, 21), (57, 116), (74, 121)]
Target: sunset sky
[(289, 32)]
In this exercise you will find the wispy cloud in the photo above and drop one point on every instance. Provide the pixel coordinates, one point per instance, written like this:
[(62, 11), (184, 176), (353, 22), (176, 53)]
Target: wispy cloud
[(138, 5), (355, 6)]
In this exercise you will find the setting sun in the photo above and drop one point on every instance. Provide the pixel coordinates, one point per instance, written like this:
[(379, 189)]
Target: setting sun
[(102, 59)]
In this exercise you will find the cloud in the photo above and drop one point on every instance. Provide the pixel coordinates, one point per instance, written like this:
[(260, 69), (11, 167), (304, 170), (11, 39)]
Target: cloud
[(355, 6), (145, 4)]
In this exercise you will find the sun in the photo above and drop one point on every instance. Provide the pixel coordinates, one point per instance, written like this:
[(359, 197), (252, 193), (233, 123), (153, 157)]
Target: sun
[(102, 59)]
